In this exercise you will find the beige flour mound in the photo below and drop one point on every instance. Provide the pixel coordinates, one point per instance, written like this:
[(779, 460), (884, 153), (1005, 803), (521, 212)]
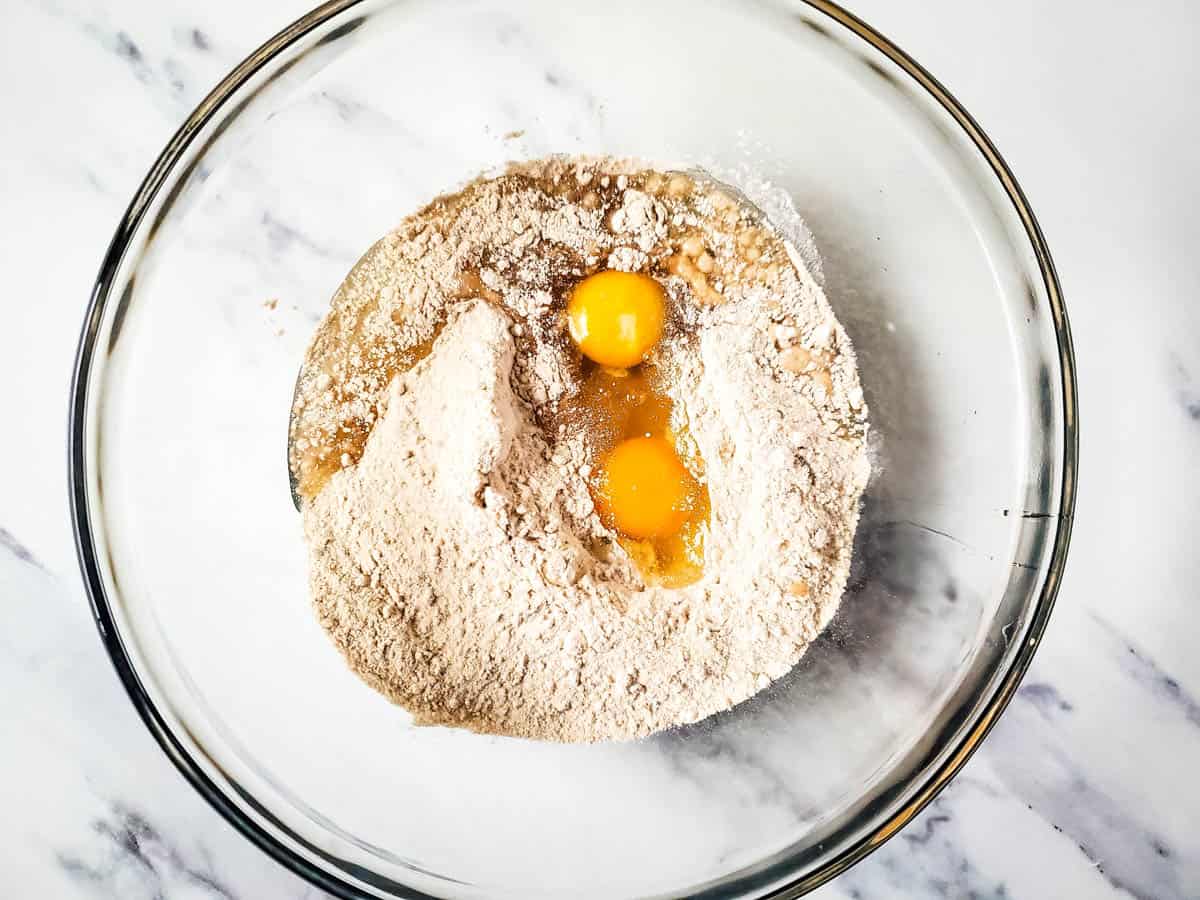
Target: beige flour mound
[(458, 562)]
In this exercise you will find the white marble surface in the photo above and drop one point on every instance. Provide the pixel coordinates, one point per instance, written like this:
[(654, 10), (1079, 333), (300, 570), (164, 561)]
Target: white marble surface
[(1086, 788)]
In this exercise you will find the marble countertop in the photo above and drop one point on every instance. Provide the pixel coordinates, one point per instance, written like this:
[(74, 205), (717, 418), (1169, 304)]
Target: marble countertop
[(1085, 789)]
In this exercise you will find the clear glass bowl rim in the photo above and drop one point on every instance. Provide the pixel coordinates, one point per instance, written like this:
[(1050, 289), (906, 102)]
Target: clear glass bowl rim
[(935, 779)]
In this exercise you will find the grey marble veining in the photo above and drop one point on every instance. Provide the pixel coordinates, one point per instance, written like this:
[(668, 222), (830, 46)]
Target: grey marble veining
[(1085, 789), (1186, 389), (132, 857), (17, 551)]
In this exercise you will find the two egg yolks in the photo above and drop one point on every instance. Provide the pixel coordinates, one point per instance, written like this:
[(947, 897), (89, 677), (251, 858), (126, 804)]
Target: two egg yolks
[(641, 486)]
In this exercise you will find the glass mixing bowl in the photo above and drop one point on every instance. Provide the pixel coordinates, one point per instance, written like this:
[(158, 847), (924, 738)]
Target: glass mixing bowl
[(320, 142)]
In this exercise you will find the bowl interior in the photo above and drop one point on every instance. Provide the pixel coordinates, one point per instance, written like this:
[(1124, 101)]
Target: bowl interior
[(350, 122)]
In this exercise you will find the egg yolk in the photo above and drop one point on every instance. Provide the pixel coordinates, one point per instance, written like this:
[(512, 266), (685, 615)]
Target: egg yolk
[(616, 317), (644, 488)]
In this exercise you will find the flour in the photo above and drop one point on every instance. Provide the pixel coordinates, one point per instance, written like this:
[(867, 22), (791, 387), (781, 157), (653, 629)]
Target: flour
[(457, 559)]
